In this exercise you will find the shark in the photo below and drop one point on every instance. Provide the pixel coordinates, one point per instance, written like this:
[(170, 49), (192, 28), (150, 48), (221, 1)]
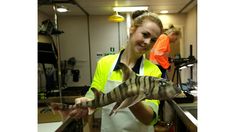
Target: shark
[(133, 89)]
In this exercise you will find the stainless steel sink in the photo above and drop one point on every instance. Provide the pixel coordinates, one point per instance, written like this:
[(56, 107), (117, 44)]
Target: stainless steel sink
[(187, 113), (191, 109)]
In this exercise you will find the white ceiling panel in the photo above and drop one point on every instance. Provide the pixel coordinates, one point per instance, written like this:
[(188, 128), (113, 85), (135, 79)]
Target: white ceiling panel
[(104, 7)]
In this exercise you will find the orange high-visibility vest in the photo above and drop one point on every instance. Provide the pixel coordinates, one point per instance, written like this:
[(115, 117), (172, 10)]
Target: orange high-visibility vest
[(160, 51)]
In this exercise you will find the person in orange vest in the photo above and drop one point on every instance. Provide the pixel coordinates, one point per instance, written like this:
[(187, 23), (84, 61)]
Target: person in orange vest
[(159, 53)]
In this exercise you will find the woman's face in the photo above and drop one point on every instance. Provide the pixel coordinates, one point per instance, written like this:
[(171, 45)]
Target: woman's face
[(173, 37), (143, 37)]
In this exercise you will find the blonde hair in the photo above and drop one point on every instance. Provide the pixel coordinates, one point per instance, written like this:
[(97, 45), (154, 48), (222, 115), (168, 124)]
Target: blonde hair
[(138, 20), (174, 30), (138, 17)]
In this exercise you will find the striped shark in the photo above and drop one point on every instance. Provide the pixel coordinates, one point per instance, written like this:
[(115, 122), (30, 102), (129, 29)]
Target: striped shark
[(133, 89)]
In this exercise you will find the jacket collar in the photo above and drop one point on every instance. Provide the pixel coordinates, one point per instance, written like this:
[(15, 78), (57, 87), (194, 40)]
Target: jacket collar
[(136, 68)]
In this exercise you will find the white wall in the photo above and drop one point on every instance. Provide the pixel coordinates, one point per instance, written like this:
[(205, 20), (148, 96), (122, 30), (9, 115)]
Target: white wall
[(74, 43), (42, 17), (190, 39), (105, 34), (175, 19)]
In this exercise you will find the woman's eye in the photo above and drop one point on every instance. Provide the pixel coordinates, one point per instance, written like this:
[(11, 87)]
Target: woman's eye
[(148, 35), (145, 35)]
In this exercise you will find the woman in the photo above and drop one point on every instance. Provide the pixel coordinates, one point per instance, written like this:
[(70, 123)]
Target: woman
[(161, 49), (141, 117)]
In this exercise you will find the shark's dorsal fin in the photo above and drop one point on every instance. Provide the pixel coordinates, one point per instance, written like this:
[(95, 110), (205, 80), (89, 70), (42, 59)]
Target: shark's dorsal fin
[(127, 72)]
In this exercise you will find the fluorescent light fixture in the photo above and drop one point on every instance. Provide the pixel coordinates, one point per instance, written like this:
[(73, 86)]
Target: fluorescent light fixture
[(164, 11), (129, 9), (183, 67), (189, 65), (62, 9)]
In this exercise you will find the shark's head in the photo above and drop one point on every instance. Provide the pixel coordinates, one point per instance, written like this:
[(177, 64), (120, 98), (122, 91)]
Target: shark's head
[(165, 89)]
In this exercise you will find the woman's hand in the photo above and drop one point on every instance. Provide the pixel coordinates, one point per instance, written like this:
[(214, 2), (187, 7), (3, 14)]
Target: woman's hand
[(73, 112), (142, 112), (79, 112)]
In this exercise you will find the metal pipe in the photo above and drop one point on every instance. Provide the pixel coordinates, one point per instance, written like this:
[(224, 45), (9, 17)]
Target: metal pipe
[(89, 45), (119, 37), (128, 23), (191, 68), (58, 51)]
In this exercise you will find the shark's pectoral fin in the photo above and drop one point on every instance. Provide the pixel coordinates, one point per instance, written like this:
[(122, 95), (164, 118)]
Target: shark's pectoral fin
[(131, 101), (114, 108), (127, 103)]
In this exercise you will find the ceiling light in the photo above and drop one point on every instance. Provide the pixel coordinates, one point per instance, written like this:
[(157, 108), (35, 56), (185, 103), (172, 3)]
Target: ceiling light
[(129, 9), (164, 11), (62, 9)]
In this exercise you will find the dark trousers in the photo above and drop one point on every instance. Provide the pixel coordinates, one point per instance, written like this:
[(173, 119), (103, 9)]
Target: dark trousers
[(163, 71)]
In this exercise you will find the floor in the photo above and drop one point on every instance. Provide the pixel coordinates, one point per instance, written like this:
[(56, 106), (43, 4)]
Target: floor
[(52, 126), (50, 121), (48, 127)]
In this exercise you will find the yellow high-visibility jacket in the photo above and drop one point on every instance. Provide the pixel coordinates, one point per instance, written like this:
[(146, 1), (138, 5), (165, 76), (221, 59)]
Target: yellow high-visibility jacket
[(103, 67)]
